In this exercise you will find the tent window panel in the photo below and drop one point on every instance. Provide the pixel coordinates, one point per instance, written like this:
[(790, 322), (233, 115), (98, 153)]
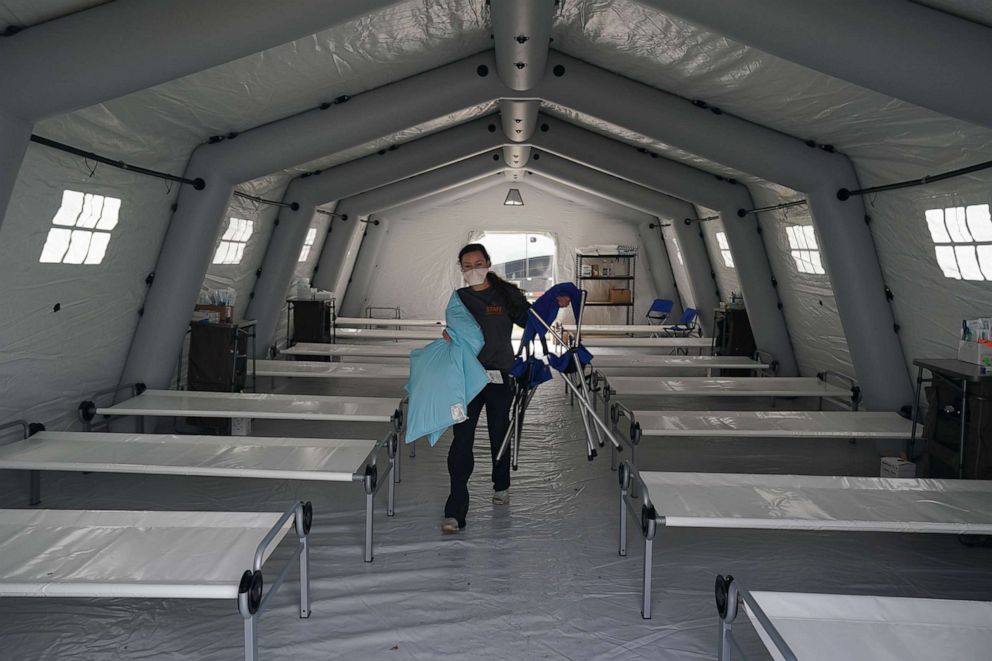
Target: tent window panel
[(804, 249), (232, 243), (87, 214), (55, 246), (721, 240), (962, 238), (308, 244)]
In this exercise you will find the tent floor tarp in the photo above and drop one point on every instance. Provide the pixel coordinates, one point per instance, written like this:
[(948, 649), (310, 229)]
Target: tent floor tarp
[(468, 595)]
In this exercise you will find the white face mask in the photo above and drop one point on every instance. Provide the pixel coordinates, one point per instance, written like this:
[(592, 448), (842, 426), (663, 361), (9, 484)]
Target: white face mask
[(475, 277)]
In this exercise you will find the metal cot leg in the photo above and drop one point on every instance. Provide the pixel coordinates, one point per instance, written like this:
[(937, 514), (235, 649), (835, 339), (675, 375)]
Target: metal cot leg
[(623, 524), (305, 578), (646, 586), (369, 504), (391, 488), (251, 638), (395, 458)]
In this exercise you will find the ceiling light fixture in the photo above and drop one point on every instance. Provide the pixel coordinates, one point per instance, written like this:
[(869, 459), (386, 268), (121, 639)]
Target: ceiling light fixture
[(513, 198)]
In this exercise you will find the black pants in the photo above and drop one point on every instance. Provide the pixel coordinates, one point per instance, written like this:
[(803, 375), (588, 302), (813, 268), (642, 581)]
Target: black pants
[(497, 398)]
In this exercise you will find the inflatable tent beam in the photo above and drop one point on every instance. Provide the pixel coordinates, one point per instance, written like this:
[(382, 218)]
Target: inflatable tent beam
[(903, 49), (63, 65), (519, 118), (189, 240), (344, 181), (693, 282), (521, 38), (846, 244), (682, 181), (668, 281)]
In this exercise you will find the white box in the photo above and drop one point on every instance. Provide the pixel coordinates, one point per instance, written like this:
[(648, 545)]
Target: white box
[(897, 467), (975, 353)]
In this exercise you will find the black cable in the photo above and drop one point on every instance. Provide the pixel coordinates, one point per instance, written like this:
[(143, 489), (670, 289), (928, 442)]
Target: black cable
[(295, 206), (774, 207), (844, 194), (198, 183)]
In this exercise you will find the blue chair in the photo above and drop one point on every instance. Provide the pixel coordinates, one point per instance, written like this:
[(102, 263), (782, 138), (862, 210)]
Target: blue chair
[(685, 326), (659, 311)]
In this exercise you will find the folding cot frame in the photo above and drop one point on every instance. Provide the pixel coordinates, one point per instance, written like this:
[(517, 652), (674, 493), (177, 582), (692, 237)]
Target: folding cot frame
[(252, 598), (881, 622), (635, 432), (651, 519), (371, 479), (601, 384)]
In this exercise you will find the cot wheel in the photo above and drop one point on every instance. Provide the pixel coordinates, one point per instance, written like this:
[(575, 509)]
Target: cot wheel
[(648, 523), (623, 474), (722, 590), (307, 517), (87, 411), (371, 478), (251, 587), (614, 413), (635, 433)]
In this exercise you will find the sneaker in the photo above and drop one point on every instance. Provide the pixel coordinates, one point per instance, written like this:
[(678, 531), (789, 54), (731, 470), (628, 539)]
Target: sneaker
[(501, 497), (449, 526)]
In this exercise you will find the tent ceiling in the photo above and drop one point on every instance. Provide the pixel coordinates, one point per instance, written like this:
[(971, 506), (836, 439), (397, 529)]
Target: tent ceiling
[(25, 13), (165, 122), (978, 11)]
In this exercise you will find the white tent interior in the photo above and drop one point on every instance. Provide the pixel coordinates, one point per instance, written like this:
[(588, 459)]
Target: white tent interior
[(409, 113)]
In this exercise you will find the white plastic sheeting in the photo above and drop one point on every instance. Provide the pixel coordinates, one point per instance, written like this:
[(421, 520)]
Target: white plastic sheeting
[(539, 579), (701, 386), (605, 362), (436, 232), (274, 458), (181, 555), (821, 502), (259, 406), (351, 350), (775, 424), (318, 370), (825, 627)]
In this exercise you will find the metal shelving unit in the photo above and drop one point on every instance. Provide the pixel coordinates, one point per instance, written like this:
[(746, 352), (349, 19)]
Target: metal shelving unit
[(622, 269)]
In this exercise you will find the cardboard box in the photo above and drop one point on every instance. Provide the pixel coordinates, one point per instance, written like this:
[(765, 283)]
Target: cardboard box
[(620, 296), (975, 353), (897, 467), (224, 312)]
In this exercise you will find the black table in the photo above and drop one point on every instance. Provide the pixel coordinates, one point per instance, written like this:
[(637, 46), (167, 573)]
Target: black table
[(959, 374)]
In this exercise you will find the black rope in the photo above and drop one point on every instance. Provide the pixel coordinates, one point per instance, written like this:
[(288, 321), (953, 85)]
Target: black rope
[(295, 206), (844, 194), (198, 183), (342, 216), (775, 207)]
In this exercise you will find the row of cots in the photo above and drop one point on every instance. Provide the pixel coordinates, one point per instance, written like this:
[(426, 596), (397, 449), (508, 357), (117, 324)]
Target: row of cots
[(666, 499)]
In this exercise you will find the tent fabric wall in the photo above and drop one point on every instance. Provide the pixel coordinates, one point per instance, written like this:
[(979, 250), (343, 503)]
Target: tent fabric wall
[(50, 360), (435, 232), (887, 140)]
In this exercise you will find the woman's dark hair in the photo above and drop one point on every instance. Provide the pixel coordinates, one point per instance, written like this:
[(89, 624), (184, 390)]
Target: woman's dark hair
[(495, 281)]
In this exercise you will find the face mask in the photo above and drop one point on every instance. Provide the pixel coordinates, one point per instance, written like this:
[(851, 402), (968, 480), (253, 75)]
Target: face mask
[(475, 277)]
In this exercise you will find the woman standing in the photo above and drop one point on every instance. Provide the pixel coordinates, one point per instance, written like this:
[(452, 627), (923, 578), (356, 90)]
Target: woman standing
[(497, 305)]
